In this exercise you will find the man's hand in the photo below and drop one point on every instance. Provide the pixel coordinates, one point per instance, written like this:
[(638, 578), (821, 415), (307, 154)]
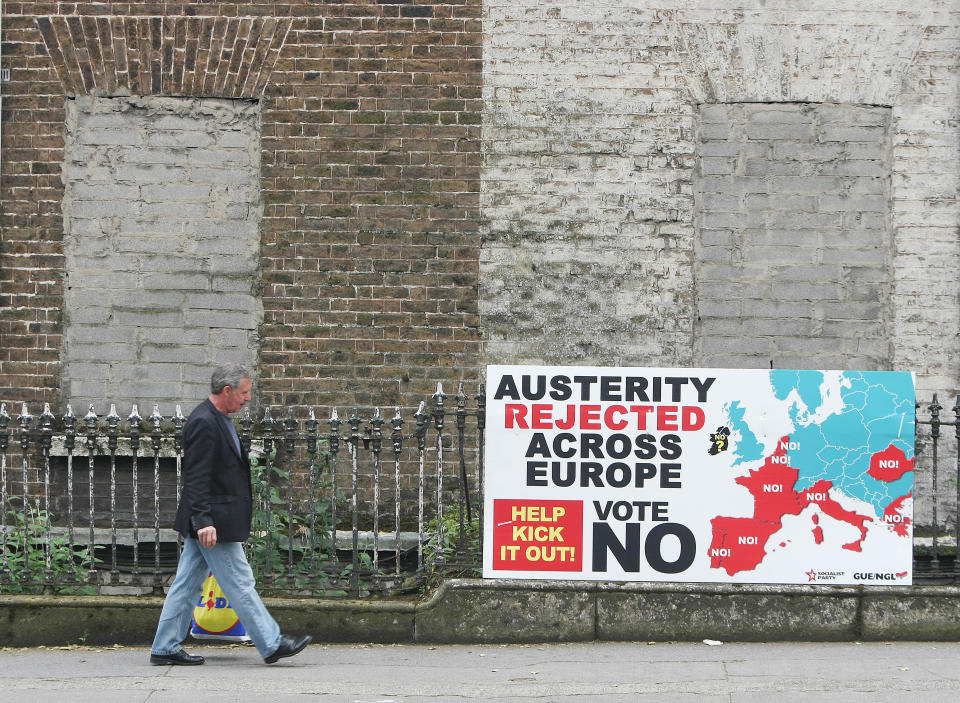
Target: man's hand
[(207, 536)]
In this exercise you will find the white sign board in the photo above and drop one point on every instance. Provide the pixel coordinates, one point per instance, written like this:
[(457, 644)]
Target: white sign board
[(699, 475)]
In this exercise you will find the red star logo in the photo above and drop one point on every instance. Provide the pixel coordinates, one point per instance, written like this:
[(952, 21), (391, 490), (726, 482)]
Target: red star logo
[(812, 575)]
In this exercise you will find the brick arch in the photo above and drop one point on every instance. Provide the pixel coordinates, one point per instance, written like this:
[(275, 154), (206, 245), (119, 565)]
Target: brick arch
[(169, 55)]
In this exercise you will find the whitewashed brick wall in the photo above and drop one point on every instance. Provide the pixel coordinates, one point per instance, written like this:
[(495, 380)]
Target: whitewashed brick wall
[(587, 191), (589, 146), (161, 237)]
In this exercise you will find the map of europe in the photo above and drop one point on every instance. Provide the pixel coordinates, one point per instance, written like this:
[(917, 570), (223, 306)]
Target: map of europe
[(844, 464)]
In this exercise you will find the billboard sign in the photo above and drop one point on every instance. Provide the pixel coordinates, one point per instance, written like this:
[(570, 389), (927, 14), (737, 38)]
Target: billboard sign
[(699, 475)]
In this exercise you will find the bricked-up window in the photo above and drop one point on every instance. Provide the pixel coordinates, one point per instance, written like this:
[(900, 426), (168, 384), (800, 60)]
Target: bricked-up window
[(793, 236), (161, 237)]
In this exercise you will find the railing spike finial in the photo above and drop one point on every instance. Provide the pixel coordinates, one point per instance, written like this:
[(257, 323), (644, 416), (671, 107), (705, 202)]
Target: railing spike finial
[(25, 412), (311, 416), (179, 414), (46, 437), (396, 415), (134, 416), (91, 414), (113, 412), (69, 431), (376, 414), (334, 415)]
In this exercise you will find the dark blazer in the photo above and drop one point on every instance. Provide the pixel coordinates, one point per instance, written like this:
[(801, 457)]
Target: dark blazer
[(216, 478)]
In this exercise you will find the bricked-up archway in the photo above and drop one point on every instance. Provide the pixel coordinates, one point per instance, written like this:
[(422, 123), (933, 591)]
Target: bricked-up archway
[(370, 158), (228, 57)]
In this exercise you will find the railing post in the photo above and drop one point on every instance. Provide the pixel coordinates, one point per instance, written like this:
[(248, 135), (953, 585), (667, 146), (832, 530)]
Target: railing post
[(246, 442), (25, 421), (464, 498), (91, 421), (397, 437), (312, 440), (354, 421), (156, 443), (267, 425), (46, 443), (178, 423), (376, 445), (4, 440), (134, 420), (421, 433), (935, 409), (290, 446), (334, 441), (438, 415), (113, 432), (69, 443), (481, 428)]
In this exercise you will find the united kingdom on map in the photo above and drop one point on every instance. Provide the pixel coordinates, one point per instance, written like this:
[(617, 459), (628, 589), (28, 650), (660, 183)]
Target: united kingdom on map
[(827, 498)]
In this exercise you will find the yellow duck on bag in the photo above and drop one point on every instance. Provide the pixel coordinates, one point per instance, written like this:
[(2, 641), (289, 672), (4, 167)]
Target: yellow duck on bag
[(213, 618)]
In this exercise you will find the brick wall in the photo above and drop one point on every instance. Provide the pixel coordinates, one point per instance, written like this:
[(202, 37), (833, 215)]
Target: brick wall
[(382, 204), (371, 151), (369, 178)]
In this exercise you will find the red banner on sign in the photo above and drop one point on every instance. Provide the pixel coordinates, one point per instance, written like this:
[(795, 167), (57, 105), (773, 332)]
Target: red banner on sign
[(538, 535)]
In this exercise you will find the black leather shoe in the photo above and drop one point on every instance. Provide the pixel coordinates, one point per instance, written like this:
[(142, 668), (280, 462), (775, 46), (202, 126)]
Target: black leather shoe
[(180, 658), (289, 646)]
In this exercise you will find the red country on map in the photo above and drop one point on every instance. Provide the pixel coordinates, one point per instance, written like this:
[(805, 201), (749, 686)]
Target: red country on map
[(894, 518), (890, 464), (817, 530), (739, 544), (819, 494)]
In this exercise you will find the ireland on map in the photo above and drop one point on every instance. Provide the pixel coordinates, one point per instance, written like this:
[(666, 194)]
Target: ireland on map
[(699, 475)]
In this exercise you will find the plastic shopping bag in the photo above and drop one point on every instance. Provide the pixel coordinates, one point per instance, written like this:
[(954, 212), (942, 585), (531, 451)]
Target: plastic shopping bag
[(213, 618)]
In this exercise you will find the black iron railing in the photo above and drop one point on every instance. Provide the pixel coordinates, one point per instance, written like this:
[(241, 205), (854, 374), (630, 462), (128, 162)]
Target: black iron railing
[(363, 505), (355, 506)]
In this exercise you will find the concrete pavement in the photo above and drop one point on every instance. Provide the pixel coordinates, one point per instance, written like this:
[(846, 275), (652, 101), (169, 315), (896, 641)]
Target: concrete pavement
[(901, 672)]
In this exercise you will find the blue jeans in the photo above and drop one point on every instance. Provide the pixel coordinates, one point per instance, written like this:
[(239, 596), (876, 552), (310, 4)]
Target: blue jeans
[(229, 566)]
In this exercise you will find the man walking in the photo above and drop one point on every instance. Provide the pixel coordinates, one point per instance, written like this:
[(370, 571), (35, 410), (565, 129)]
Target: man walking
[(214, 515)]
